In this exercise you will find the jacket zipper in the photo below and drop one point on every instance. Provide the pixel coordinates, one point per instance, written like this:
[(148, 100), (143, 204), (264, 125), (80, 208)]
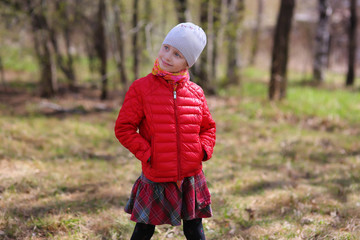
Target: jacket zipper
[(177, 134)]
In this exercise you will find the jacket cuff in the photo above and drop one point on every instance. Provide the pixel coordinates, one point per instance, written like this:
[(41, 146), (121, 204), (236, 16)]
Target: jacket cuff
[(207, 153), (146, 155)]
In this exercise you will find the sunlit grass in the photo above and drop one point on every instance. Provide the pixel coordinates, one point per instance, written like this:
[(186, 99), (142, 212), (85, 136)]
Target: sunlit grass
[(280, 170), (19, 59)]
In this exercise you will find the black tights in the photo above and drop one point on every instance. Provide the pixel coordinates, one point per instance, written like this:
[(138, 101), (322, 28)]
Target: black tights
[(193, 230)]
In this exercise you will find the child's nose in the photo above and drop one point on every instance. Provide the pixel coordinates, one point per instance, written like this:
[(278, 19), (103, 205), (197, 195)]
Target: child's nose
[(167, 56)]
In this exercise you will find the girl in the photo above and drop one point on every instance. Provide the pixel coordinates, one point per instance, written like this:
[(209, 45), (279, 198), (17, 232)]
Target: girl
[(165, 122)]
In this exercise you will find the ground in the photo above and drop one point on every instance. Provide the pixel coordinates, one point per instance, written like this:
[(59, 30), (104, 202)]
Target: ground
[(280, 170)]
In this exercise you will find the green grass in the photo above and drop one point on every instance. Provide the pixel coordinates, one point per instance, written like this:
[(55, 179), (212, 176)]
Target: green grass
[(17, 59), (281, 170), (337, 104)]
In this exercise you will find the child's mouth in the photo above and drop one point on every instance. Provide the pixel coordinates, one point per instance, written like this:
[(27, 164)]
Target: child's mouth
[(165, 63)]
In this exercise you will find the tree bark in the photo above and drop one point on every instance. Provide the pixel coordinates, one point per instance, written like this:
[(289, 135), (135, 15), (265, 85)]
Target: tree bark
[(256, 32), (41, 33), (203, 69), (236, 8), (220, 19), (119, 33), (67, 31), (101, 48), (136, 49), (65, 63), (350, 78), (48, 85), (215, 38), (148, 18), (322, 40), (278, 80)]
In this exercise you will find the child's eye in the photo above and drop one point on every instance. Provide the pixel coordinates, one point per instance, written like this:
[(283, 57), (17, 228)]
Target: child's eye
[(177, 55), (166, 47)]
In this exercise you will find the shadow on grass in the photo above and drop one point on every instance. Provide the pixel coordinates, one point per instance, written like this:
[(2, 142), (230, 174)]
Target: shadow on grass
[(59, 209), (89, 202), (84, 101), (260, 187), (332, 156), (339, 187), (88, 155), (19, 86), (22, 222)]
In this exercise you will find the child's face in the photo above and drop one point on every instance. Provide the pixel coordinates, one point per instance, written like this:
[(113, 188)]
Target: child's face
[(171, 60)]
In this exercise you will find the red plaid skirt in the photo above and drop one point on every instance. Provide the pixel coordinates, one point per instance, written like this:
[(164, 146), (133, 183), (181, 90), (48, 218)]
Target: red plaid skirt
[(166, 203)]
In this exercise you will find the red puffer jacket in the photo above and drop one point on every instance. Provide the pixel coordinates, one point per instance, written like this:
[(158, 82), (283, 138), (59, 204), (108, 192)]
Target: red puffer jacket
[(175, 129)]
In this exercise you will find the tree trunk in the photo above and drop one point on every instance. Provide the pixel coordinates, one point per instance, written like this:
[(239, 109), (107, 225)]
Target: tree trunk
[(2, 74), (36, 10), (48, 86), (136, 47), (147, 35), (256, 32), (91, 53), (180, 9), (220, 20), (235, 8), (42, 41), (215, 37), (278, 81), (65, 63), (101, 47), (203, 69), (70, 61), (322, 40), (119, 32), (350, 78)]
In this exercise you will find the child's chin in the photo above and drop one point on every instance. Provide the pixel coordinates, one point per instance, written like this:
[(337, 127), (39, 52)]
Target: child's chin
[(165, 68)]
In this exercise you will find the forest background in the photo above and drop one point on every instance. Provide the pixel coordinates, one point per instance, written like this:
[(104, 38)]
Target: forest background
[(280, 79)]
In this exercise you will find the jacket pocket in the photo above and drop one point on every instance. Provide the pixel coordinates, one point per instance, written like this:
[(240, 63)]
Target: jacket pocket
[(152, 156), (200, 150)]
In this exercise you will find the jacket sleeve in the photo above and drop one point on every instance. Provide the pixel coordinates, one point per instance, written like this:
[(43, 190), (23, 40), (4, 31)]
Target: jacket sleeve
[(129, 118), (207, 131)]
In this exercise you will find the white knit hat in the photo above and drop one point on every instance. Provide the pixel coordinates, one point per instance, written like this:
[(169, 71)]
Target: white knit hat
[(189, 39)]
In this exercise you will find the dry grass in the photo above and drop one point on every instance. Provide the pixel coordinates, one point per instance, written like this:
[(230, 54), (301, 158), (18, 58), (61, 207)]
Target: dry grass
[(278, 172)]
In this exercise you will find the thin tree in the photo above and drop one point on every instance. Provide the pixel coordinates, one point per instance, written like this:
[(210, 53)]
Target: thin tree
[(101, 47), (136, 48), (350, 77), (235, 17), (120, 40), (2, 72), (203, 74), (147, 30), (44, 52), (180, 9), (278, 80), (214, 39), (322, 41), (256, 32), (66, 63), (68, 22)]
